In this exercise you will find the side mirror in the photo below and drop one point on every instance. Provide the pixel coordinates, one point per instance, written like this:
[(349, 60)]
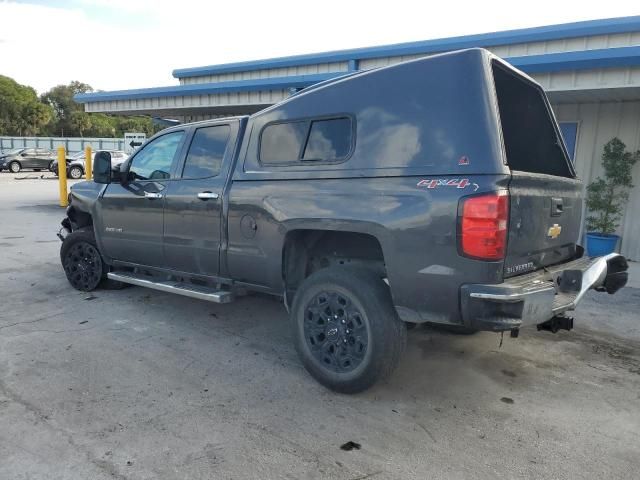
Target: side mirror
[(102, 167)]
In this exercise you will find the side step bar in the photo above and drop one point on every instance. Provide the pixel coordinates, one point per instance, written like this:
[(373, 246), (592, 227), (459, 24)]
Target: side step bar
[(188, 290)]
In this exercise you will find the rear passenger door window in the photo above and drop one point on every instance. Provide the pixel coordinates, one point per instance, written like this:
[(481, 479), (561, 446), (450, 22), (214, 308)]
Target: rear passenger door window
[(206, 152)]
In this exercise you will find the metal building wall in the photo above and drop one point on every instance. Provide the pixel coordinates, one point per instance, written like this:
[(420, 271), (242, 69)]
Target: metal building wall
[(515, 50), (268, 73), (603, 84), (218, 100), (534, 48), (597, 124)]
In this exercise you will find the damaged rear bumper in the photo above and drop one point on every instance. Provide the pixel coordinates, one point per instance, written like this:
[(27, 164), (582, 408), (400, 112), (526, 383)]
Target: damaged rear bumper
[(538, 297)]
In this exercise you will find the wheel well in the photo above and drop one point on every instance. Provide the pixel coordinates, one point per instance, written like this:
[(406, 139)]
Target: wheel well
[(307, 251), (79, 219)]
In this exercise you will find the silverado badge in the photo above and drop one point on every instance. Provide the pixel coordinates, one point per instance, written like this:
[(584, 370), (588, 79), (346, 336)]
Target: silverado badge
[(554, 232)]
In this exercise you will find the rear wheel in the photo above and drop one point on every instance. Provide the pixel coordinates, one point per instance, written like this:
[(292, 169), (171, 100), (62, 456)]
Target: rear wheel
[(347, 332), (15, 167)]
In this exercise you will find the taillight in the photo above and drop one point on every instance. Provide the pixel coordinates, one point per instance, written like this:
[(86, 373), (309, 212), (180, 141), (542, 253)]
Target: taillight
[(483, 226)]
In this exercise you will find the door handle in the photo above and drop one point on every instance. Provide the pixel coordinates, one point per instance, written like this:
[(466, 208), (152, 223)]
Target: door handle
[(207, 195), (152, 195)]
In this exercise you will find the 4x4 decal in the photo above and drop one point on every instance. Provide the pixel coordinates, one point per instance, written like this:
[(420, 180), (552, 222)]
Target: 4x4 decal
[(446, 182)]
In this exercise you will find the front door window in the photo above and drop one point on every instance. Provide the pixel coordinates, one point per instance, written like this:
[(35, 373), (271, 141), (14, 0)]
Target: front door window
[(155, 160)]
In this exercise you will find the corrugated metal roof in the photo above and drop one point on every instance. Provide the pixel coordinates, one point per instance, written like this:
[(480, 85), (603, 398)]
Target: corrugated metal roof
[(525, 35), (552, 62)]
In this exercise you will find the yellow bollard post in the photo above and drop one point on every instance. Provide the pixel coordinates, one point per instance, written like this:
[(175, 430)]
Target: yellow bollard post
[(62, 176), (88, 168)]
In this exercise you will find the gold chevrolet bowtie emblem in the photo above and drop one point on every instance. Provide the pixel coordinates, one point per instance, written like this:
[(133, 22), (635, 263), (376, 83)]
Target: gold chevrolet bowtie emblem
[(554, 232)]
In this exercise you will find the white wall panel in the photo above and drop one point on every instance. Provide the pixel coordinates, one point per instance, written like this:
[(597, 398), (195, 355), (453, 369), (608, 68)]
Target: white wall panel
[(599, 123)]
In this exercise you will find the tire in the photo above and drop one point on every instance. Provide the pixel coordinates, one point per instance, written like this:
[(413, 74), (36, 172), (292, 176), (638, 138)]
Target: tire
[(83, 264), (15, 167), (346, 330), (75, 172)]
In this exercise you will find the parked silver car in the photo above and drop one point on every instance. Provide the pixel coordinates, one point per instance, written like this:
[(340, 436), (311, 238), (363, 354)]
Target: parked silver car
[(76, 162)]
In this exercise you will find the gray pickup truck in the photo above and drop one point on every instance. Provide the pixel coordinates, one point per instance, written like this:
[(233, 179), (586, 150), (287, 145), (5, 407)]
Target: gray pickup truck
[(436, 190)]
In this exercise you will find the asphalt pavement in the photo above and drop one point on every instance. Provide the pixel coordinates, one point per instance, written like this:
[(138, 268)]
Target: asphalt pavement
[(138, 384)]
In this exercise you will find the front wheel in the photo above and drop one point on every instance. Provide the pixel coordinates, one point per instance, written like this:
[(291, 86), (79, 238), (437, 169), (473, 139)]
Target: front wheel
[(15, 167), (81, 260), (347, 331)]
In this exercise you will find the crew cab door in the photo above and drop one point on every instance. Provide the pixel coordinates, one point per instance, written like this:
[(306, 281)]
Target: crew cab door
[(193, 203), (130, 213)]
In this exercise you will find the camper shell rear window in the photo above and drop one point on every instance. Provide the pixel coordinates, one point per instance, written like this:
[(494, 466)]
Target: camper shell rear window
[(531, 138)]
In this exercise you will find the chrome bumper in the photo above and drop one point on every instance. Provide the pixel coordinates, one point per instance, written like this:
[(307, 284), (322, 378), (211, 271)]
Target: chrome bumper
[(539, 296)]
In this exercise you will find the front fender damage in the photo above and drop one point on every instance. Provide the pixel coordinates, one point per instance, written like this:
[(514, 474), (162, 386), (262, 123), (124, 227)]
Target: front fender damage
[(82, 197)]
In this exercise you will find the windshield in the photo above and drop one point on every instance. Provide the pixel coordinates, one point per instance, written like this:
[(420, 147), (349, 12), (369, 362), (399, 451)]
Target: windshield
[(77, 155)]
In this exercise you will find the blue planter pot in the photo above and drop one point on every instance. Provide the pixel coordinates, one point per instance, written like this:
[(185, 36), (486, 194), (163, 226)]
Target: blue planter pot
[(599, 244)]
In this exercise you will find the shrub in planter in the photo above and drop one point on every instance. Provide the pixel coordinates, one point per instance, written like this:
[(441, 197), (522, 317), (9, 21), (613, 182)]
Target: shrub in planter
[(606, 197)]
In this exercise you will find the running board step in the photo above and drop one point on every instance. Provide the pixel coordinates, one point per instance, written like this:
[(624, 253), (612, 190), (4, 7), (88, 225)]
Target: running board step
[(186, 289)]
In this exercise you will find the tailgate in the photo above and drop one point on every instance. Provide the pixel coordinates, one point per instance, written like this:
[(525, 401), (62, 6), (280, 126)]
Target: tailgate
[(544, 223)]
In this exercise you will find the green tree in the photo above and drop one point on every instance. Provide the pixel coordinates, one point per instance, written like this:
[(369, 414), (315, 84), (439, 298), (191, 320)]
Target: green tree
[(101, 126), (57, 113), (79, 122), (70, 119), (135, 124), (606, 197), (21, 113)]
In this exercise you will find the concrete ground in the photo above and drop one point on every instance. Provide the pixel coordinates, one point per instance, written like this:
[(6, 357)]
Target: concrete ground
[(136, 384)]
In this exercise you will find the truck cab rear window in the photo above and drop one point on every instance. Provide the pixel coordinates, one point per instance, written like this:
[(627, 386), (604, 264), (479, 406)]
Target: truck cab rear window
[(531, 141), (323, 140)]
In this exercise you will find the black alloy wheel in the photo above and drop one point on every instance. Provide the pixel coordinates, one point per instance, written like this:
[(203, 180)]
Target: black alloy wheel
[(335, 331), (83, 266), (346, 329)]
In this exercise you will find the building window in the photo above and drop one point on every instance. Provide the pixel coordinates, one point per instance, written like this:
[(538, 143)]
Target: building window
[(322, 140), (570, 134)]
